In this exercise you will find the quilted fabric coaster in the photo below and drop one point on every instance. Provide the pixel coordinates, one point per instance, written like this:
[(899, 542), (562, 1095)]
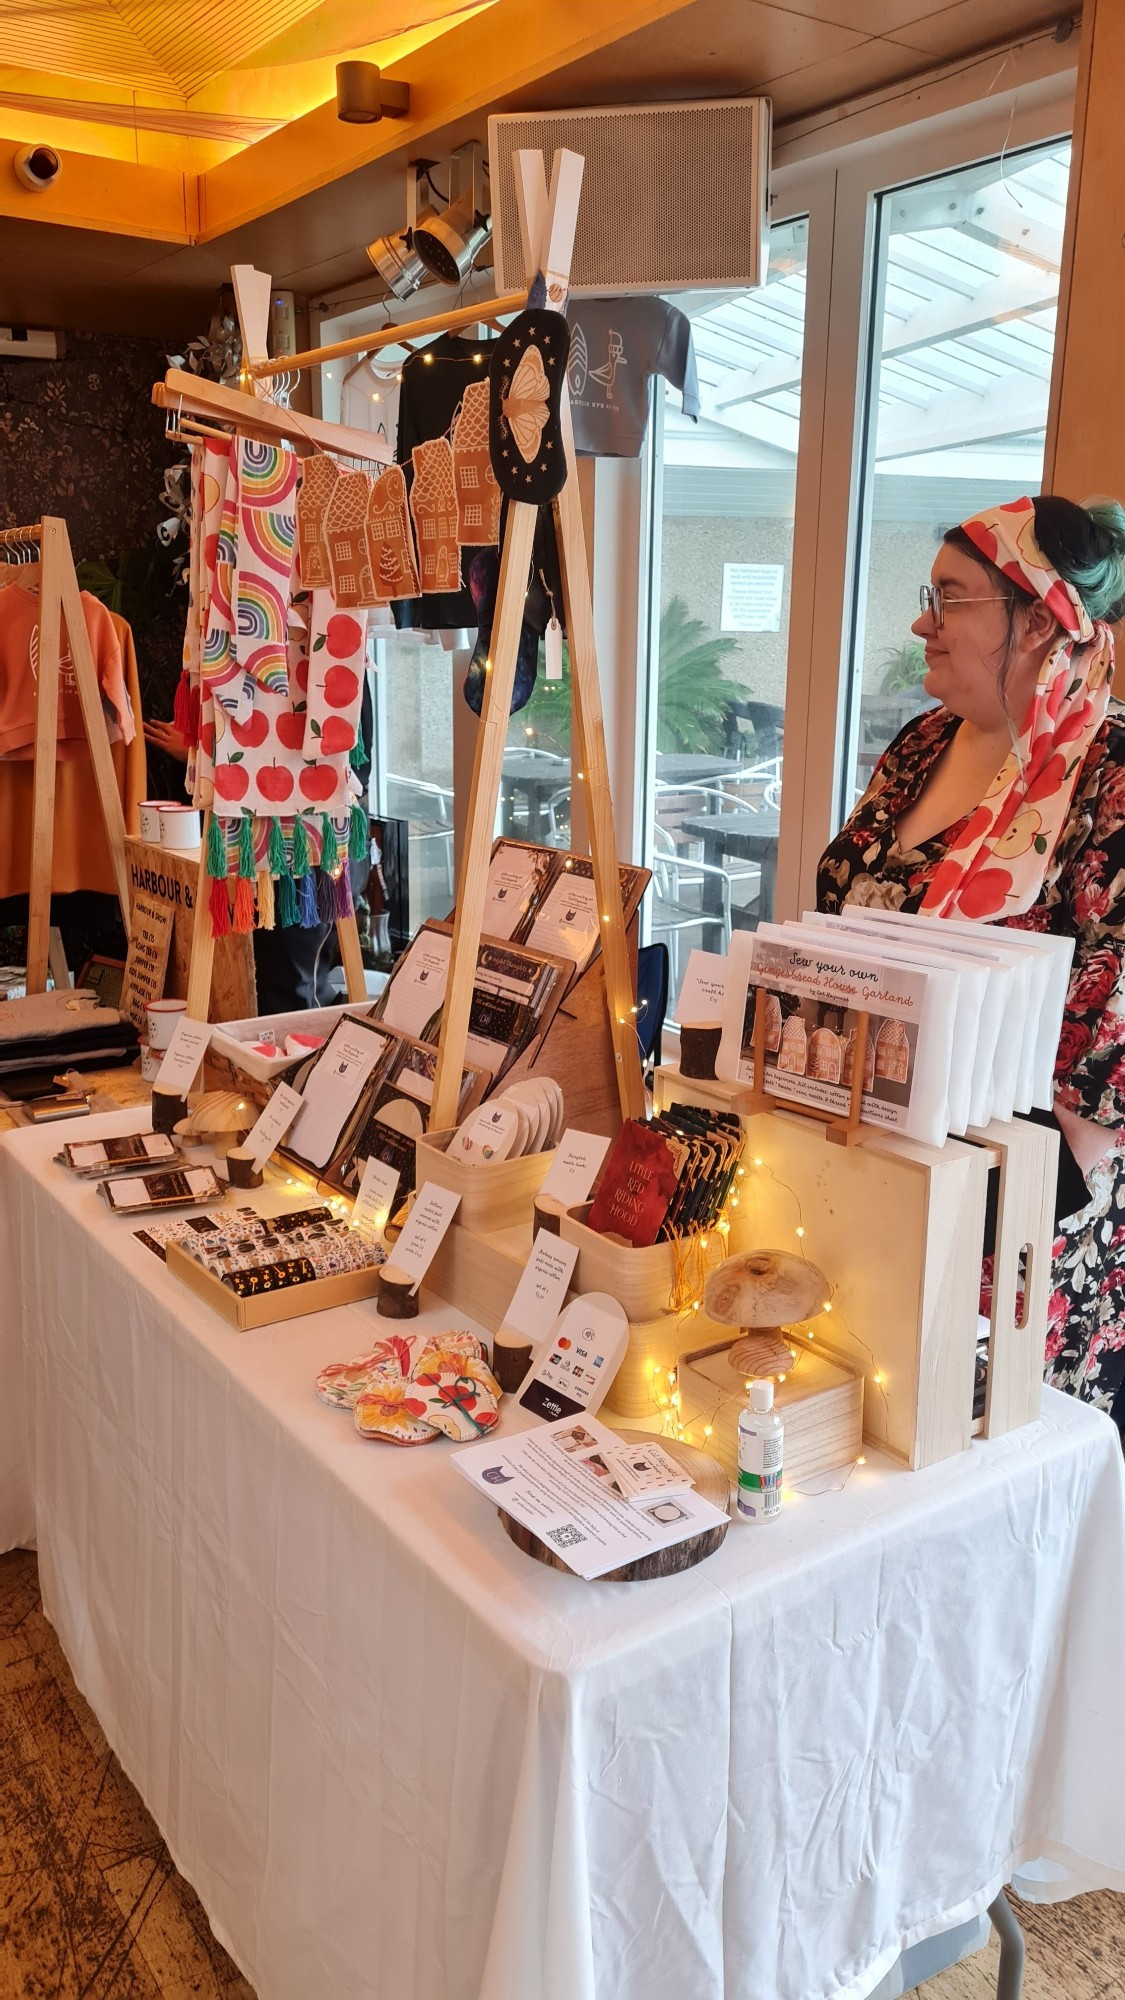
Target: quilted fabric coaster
[(394, 1413), (456, 1402)]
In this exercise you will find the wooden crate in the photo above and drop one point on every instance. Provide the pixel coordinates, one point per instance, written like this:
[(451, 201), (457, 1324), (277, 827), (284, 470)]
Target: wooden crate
[(821, 1401), (495, 1194), (898, 1228), (293, 1302)]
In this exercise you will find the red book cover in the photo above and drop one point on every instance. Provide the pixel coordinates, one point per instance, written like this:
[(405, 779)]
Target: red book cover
[(637, 1185)]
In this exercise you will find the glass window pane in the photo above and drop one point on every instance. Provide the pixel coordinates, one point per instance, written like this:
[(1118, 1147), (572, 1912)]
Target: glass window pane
[(535, 786), (967, 274), (416, 704), (725, 538)]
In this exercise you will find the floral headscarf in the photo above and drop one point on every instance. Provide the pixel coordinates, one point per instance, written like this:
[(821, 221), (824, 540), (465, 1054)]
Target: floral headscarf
[(998, 864)]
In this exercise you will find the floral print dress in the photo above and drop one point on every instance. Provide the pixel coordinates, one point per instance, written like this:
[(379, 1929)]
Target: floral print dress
[(1083, 895)]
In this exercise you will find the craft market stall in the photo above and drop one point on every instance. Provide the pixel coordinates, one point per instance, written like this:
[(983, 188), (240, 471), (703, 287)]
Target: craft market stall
[(541, 1508)]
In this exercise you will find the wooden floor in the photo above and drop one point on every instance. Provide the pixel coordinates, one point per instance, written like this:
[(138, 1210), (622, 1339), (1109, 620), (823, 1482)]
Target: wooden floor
[(91, 1907)]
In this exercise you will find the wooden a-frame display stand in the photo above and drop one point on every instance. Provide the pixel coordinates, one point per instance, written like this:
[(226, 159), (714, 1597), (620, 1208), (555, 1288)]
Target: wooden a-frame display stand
[(548, 222), (60, 603)]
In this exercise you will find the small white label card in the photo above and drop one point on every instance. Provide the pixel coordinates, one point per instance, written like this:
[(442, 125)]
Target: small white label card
[(433, 1211), (537, 1299), (576, 1162), (701, 996), (274, 1123), (375, 1199), (186, 1050), (552, 648)]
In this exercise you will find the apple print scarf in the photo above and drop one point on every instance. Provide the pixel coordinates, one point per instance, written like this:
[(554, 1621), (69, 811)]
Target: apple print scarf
[(997, 866)]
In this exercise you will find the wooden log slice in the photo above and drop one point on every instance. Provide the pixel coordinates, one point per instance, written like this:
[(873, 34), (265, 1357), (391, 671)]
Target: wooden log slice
[(711, 1483), (240, 1166), (394, 1297)]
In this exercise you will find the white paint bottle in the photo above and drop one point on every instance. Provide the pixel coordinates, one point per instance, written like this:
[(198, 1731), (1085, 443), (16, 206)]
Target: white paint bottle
[(761, 1434)]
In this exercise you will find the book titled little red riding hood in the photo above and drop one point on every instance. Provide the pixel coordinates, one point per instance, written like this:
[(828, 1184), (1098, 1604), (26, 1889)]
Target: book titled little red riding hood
[(637, 1185)]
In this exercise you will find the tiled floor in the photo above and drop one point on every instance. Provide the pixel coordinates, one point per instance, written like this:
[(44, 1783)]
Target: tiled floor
[(91, 1906)]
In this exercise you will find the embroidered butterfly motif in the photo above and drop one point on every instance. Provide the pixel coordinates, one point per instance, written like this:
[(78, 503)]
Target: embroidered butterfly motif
[(526, 403)]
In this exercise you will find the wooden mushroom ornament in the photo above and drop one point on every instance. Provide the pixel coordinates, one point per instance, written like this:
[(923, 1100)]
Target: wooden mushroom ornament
[(764, 1291)]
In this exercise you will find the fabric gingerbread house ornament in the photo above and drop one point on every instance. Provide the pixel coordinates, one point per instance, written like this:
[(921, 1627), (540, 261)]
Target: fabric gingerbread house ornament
[(318, 483), (390, 538), (433, 503), (478, 495), (346, 531)]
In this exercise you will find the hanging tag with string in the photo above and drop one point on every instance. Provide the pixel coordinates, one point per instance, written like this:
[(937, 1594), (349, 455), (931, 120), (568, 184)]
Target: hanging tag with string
[(552, 639)]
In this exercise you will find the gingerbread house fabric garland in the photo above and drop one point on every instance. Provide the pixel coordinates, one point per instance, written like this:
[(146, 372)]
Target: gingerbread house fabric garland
[(345, 525), (433, 504), (390, 538), (478, 495)]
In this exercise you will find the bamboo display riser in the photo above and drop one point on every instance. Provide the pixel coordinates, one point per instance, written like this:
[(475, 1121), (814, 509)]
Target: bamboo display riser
[(495, 1194), (898, 1229), (820, 1400), (477, 1272)]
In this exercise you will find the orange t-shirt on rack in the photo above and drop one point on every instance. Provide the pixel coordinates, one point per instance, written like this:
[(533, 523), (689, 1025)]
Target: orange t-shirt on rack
[(19, 649), (80, 852)]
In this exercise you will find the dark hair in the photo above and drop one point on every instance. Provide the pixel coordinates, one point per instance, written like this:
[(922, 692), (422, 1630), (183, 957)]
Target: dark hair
[(1085, 544)]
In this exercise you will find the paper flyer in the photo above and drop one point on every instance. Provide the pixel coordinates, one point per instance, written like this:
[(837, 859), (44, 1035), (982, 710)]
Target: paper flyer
[(540, 1478), (811, 1000)]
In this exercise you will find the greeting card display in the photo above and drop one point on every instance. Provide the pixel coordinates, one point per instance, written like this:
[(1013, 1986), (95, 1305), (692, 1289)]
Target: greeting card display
[(515, 995)]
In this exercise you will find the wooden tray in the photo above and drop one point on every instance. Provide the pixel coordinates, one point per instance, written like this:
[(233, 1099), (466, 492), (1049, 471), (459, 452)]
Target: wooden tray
[(290, 1303), (710, 1482)]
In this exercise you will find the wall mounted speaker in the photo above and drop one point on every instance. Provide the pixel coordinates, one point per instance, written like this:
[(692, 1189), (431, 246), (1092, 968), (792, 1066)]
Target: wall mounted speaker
[(674, 196)]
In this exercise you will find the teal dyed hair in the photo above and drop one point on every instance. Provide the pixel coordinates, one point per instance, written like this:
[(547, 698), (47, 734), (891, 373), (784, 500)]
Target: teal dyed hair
[(1087, 547)]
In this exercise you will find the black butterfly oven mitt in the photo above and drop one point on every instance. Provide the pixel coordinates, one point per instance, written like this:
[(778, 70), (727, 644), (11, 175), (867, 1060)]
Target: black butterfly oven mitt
[(526, 383)]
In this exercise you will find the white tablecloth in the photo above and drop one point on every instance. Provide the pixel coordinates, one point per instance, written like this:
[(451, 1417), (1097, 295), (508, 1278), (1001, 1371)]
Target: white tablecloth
[(396, 1758)]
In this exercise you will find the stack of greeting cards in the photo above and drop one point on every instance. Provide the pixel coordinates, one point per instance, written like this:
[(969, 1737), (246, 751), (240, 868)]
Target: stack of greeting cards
[(668, 1176)]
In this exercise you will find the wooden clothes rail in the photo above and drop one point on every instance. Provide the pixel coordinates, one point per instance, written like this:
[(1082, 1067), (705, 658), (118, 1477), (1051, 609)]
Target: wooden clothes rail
[(392, 336), (60, 603)]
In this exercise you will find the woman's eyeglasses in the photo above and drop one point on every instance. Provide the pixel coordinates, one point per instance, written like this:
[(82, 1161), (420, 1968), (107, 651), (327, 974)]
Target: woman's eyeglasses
[(932, 598)]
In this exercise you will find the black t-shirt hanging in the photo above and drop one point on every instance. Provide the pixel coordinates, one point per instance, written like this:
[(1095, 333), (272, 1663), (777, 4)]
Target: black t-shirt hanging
[(433, 383)]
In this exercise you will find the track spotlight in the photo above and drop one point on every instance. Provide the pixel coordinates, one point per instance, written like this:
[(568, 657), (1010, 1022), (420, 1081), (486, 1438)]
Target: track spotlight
[(448, 244), (394, 255)]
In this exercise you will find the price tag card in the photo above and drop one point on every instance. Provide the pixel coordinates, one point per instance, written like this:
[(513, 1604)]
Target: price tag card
[(575, 1165), (537, 1299), (186, 1050), (375, 1199), (701, 996), (433, 1211), (273, 1124)]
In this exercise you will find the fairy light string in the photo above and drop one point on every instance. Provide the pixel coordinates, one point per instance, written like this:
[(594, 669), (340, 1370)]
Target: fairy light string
[(692, 1261)]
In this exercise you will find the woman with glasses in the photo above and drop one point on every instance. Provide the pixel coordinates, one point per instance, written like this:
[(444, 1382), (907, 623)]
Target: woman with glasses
[(1006, 804)]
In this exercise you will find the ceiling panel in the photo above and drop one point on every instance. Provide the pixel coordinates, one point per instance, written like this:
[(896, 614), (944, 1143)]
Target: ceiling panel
[(975, 24)]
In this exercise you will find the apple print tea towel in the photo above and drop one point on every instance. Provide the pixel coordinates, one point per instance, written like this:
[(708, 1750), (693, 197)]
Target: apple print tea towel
[(337, 657)]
